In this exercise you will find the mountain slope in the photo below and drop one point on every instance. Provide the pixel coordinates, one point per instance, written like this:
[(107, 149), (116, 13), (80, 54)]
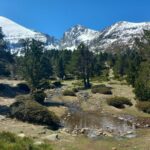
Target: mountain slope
[(119, 34), (14, 32), (76, 35)]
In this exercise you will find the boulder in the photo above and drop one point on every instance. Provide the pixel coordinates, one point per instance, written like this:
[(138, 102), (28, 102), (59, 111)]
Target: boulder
[(105, 133), (83, 130), (2, 117), (52, 137), (38, 142), (83, 96), (22, 135), (33, 112), (114, 148)]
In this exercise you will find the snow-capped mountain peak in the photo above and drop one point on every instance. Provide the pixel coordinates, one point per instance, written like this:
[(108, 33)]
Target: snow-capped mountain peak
[(14, 32), (120, 34), (76, 35)]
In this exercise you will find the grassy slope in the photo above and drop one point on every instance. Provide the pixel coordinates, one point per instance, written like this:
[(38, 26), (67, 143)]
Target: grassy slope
[(98, 101), (9, 141)]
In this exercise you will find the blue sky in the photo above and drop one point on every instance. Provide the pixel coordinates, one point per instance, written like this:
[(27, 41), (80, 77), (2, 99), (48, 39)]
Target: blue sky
[(56, 16)]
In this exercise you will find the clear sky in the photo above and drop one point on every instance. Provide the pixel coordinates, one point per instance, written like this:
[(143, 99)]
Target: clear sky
[(56, 16)]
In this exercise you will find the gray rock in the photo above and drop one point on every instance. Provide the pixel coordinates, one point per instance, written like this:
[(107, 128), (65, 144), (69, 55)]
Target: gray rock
[(83, 96), (38, 143), (52, 137), (2, 117), (22, 135)]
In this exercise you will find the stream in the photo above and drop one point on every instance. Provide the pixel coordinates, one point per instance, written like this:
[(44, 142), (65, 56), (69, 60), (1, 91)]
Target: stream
[(93, 124)]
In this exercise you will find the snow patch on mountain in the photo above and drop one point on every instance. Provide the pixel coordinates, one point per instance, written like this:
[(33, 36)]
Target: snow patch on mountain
[(14, 32), (120, 34), (76, 35)]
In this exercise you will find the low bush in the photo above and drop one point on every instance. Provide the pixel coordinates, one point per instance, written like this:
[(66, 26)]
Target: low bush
[(78, 83), (23, 87), (23, 97), (44, 85), (39, 96), (75, 90), (144, 106), (57, 84), (102, 89), (9, 141), (33, 112), (119, 102), (69, 93)]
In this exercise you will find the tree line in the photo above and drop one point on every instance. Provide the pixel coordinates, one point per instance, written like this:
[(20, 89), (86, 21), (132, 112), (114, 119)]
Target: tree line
[(36, 64)]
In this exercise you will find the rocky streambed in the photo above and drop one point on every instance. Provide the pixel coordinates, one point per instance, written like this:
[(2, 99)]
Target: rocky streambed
[(94, 125)]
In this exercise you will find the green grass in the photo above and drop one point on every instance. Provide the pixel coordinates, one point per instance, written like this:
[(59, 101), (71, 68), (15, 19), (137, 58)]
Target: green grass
[(69, 93), (9, 141), (144, 106), (102, 89)]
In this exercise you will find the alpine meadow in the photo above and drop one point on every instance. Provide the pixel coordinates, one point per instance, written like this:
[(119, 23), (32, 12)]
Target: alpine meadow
[(85, 88)]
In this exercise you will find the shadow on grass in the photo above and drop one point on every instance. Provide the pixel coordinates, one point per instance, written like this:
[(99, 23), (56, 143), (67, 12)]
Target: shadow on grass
[(11, 92), (4, 110), (57, 104)]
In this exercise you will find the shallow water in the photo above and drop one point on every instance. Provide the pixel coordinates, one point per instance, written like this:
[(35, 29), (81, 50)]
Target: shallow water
[(79, 119), (94, 121)]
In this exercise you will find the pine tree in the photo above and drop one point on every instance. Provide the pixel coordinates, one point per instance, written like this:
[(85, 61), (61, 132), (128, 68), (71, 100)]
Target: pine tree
[(82, 64), (34, 65), (60, 68), (6, 58), (142, 85)]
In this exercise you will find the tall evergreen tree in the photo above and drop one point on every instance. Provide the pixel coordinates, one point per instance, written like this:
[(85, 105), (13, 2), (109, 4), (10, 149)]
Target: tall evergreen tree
[(60, 68), (34, 67), (82, 63), (5, 57)]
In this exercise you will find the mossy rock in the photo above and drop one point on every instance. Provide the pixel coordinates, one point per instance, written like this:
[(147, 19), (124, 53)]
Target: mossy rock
[(57, 84), (39, 96), (102, 89), (119, 102), (69, 93), (31, 111)]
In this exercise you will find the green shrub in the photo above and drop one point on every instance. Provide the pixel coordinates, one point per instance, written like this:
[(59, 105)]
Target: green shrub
[(33, 112), (23, 97), (75, 90), (39, 96), (69, 93), (144, 106), (57, 84), (142, 91), (52, 86), (9, 141), (78, 83), (23, 87), (102, 89), (119, 102), (142, 84), (44, 85)]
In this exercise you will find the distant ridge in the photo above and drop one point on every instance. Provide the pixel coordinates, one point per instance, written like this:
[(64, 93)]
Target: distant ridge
[(119, 34)]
